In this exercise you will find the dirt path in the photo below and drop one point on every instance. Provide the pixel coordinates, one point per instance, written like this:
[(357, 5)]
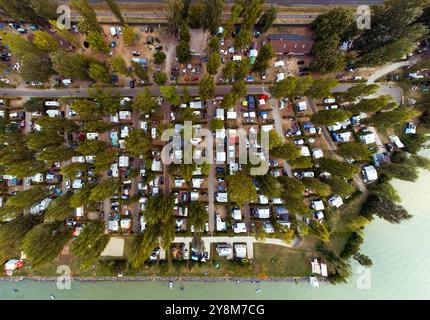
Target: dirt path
[(170, 51)]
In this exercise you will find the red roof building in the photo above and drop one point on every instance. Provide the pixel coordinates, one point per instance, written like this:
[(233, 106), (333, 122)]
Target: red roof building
[(291, 44)]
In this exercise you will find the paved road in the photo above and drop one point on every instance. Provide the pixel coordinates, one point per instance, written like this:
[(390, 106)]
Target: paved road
[(280, 131), (384, 89), (74, 92), (211, 179)]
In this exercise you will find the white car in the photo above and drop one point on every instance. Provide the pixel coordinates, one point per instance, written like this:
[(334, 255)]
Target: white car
[(299, 142), (281, 104)]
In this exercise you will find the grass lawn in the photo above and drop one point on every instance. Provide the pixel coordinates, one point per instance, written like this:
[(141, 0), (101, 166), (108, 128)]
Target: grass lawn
[(281, 261)]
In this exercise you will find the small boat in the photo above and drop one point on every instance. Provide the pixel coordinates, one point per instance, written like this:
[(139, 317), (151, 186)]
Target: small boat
[(52, 297), (170, 285), (14, 290), (258, 290)]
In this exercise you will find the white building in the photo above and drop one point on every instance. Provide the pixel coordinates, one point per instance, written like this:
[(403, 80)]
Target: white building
[(336, 201), (368, 138), (239, 228), (369, 173), (240, 250), (124, 161), (317, 153), (318, 205)]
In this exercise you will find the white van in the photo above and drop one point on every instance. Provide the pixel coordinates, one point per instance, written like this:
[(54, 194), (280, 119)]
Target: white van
[(52, 103), (113, 31)]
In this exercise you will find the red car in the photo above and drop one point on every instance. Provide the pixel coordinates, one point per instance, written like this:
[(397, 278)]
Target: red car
[(263, 96), (195, 78)]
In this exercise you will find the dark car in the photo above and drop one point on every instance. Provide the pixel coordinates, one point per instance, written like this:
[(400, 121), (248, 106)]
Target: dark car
[(303, 69), (219, 170), (132, 84), (161, 180), (301, 62), (151, 28)]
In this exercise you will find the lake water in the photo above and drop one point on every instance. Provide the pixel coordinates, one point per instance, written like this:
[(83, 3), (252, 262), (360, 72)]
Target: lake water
[(400, 254)]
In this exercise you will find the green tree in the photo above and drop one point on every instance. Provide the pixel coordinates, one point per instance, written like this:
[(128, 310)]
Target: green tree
[(119, 65), (129, 36), (138, 143), (316, 186), (169, 93), (319, 231), (160, 78), (88, 14), (184, 170), (269, 186), (216, 124), (212, 14), (264, 56), (385, 120), (186, 95), (286, 151), (241, 188), (339, 186), (104, 189), (70, 65), (363, 259), (267, 19), (59, 209), (196, 14), (81, 197), (174, 10), (402, 171), (99, 72), (321, 88), (384, 208), (44, 41), (292, 187), (27, 198), (329, 117), (338, 168), (91, 147), (36, 67), (357, 92), (214, 44), (44, 242), (160, 228), (12, 234), (139, 71), (113, 6), (354, 150), (197, 216), (207, 87), (144, 102), (56, 154), (371, 105), (183, 51), (97, 42), (159, 57), (214, 63), (90, 243)]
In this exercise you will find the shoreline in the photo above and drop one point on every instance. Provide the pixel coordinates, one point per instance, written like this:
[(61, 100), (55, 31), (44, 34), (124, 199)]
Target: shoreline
[(165, 279)]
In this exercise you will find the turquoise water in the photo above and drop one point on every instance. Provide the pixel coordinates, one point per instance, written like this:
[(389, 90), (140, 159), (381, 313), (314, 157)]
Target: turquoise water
[(400, 254)]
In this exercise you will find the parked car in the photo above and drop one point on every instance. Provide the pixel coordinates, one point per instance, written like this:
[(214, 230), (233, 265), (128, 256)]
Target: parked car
[(132, 84), (219, 170)]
